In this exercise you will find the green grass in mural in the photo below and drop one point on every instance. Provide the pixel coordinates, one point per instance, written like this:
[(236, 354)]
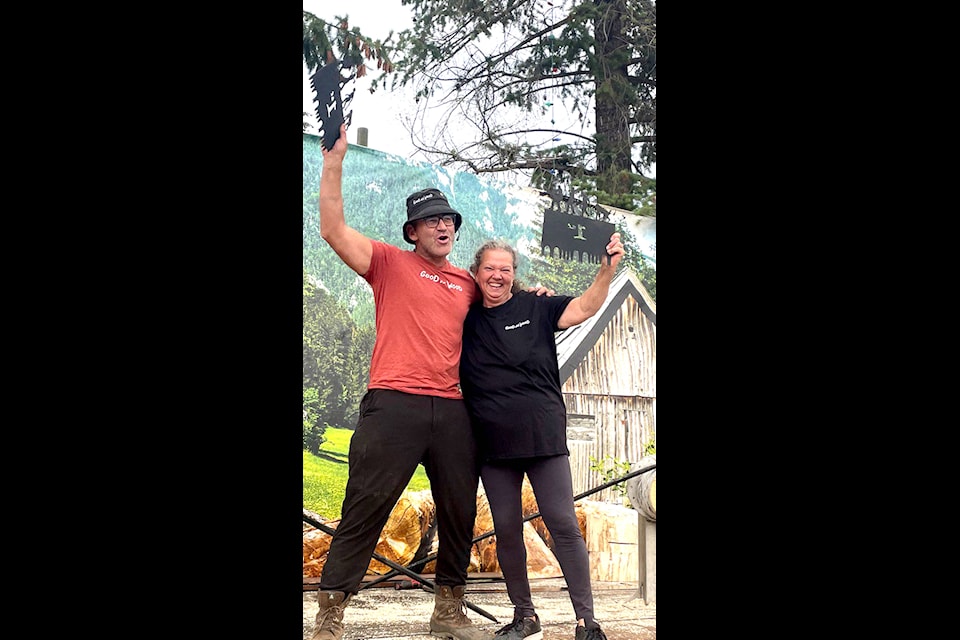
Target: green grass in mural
[(325, 476)]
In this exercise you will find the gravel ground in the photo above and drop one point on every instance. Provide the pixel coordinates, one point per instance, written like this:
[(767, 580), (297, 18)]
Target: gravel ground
[(388, 613)]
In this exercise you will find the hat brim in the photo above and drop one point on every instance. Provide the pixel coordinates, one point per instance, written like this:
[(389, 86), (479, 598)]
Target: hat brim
[(433, 209)]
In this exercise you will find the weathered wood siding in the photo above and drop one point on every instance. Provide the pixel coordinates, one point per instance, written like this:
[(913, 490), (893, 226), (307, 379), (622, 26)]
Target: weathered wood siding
[(616, 384)]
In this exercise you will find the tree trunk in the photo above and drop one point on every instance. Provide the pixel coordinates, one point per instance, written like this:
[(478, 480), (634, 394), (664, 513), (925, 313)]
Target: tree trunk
[(613, 94)]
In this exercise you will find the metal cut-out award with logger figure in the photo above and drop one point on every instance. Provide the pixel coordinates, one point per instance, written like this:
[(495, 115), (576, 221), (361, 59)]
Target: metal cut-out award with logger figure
[(332, 110), (569, 231)]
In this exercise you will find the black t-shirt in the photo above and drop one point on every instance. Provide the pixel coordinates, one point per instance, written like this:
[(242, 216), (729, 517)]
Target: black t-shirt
[(510, 377)]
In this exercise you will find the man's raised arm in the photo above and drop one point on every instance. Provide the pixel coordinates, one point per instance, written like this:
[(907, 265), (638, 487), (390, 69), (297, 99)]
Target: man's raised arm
[(353, 247)]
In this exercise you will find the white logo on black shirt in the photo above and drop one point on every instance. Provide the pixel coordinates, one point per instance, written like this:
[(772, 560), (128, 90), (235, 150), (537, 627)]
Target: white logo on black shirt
[(516, 326)]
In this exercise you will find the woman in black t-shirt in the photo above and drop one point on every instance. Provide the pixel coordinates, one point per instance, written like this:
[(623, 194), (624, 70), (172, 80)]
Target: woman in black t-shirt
[(511, 385)]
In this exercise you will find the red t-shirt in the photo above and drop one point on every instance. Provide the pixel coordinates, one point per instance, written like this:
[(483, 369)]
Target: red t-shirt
[(420, 310)]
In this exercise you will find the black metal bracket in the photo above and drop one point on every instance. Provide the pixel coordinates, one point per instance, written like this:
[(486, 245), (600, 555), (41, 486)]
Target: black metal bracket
[(426, 585), (573, 228), (332, 109), (532, 516)]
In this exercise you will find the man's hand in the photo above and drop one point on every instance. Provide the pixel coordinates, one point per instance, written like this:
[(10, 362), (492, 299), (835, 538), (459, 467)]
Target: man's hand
[(334, 156), (540, 291)]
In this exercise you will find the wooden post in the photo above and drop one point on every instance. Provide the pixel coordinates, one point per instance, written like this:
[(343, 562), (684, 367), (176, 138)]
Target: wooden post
[(642, 492), (648, 560)]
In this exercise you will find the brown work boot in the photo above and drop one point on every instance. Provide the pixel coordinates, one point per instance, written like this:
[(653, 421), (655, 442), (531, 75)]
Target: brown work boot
[(330, 617), (449, 619)]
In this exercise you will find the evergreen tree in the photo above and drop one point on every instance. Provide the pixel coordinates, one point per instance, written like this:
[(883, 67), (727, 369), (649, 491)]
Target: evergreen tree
[(334, 373), (497, 67)]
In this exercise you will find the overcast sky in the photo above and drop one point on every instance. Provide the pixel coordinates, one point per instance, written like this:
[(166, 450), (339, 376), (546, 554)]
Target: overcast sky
[(378, 112)]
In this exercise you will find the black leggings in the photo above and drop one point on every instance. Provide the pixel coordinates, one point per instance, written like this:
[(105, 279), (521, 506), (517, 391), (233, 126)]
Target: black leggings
[(553, 488), (395, 432)]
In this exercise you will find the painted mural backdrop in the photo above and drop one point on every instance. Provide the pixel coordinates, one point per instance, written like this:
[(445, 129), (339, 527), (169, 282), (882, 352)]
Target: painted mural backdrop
[(338, 311), (375, 190)]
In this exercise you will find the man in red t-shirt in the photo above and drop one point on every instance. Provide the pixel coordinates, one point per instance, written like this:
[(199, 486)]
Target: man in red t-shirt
[(413, 411)]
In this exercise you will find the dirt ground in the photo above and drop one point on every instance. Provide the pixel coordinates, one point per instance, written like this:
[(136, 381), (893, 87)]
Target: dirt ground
[(384, 612)]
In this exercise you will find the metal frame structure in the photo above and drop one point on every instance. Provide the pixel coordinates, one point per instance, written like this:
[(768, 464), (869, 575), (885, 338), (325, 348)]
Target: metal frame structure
[(428, 586)]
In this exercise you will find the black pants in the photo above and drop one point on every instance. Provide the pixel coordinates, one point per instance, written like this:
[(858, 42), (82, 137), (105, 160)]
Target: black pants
[(553, 488), (396, 432)]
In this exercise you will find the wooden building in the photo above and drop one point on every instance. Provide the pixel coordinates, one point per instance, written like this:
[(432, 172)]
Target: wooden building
[(608, 369)]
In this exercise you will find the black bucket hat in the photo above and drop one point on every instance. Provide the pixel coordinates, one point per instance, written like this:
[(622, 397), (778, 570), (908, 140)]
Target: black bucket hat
[(426, 203)]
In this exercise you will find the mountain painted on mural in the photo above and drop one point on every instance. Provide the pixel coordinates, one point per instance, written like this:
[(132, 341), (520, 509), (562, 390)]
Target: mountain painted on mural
[(375, 189), (644, 228)]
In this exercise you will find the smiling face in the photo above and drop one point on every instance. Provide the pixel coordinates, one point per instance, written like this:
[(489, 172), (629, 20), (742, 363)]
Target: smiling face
[(495, 274)]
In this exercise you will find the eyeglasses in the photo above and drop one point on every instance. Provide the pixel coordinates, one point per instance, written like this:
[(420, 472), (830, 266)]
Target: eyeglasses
[(432, 221)]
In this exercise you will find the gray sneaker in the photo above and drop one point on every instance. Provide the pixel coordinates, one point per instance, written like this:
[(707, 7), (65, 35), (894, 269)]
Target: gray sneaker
[(521, 629)]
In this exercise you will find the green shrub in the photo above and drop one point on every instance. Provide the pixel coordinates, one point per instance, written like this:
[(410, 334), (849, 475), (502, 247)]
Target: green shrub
[(313, 428), (611, 468)]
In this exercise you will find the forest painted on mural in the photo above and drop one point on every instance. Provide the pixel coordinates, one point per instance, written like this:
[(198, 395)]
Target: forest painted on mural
[(338, 311)]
